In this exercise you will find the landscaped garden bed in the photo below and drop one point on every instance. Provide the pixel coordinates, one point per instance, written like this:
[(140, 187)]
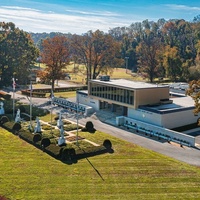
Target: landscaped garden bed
[(47, 140)]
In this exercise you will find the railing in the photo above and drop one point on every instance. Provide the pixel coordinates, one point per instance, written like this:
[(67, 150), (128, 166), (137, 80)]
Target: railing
[(158, 131)]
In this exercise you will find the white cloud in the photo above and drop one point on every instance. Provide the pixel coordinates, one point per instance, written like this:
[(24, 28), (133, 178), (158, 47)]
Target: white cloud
[(97, 13), (183, 7), (33, 20), (18, 8)]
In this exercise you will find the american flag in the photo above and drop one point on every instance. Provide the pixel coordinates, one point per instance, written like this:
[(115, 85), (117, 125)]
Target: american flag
[(14, 84)]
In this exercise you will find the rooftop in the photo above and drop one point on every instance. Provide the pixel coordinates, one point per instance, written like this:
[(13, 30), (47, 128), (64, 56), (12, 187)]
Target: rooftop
[(179, 104), (128, 84)]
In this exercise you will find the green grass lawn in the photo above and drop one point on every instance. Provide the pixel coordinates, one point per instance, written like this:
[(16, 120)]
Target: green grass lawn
[(131, 172)]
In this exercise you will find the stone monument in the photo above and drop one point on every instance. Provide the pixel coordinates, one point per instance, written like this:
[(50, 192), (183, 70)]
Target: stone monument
[(18, 118), (37, 128), (2, 111), (61, 139)]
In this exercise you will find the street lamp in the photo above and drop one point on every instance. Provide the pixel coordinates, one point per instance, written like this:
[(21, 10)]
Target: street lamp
[(126, 58)]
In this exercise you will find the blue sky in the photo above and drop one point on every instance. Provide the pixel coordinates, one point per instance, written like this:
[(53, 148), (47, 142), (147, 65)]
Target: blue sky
[(80, 16)]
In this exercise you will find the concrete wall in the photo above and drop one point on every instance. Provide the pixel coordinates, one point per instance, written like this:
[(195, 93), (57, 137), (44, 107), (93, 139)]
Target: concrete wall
[(168, 120), (156, 131), (86, 100), (145, 116), (176, 119), (150, 95)]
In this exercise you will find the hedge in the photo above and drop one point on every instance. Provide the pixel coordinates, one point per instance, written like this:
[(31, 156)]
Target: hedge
[(5, 95), (12, 126), (90, 151), (33, 94)]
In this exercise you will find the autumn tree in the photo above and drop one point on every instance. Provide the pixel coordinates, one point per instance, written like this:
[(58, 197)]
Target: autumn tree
[(17, 54), (148, 51), (98, 51), (194, 92), (172, 62), (55, 54)]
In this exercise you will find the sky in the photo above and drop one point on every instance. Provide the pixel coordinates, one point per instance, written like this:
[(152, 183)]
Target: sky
[(80, 16)]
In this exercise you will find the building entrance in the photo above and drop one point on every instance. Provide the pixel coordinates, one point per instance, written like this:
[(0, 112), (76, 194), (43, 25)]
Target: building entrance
[(113, 108)]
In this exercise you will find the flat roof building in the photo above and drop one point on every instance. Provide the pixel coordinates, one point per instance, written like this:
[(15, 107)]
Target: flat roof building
[(150, 103)]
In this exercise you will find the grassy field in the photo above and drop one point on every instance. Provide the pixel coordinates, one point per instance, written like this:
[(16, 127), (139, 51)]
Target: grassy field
[(80, 75), (131, 172)]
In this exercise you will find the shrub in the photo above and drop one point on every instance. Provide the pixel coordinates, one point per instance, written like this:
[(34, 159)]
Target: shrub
[(22, 109), (37, 137), (5, 95), (4, 119), (45, 142), (16, 127), (89, 125), (107, 144), (54, 150), (68, 154), (46, 127), (71, 127), (26, 135)]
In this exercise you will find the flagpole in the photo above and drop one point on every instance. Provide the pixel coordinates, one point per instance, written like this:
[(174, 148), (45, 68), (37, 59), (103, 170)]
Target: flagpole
[(52, 96), (13, 97), (77, 119), (30, 104)]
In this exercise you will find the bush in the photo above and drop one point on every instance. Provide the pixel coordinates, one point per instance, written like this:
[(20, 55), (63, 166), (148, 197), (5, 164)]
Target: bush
[(4, 119), (37, 137), (107, 144), (22, 109), (68, 154), (54, 151), (89, 125), (71, 127), (16, 127), (26, 135), (47, 127), (5, 95), (45, 142)]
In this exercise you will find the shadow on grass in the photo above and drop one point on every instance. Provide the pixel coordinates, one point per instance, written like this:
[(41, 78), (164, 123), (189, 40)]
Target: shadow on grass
[(82, 154)]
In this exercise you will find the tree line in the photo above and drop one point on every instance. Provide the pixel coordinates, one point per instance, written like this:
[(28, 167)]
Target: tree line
[(168, 49)]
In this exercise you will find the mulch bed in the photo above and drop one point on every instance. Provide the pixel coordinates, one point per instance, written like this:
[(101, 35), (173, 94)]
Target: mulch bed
[(74, 138)]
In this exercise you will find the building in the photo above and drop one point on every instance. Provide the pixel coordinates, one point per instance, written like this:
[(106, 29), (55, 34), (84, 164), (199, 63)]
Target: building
[(140, 103)]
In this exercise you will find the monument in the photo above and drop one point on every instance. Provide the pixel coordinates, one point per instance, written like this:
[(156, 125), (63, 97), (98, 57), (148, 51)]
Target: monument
[(2, 111), (61, 140), (18, 118), (59, 121), (37, 128)]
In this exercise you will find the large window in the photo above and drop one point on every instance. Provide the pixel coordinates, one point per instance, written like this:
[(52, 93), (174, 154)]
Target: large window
[(112, 93)]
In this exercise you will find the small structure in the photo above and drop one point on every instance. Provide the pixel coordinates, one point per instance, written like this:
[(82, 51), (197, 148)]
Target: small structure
[(37, 128), (18, 118), (59, 121), (61, 140), (2, 111)]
